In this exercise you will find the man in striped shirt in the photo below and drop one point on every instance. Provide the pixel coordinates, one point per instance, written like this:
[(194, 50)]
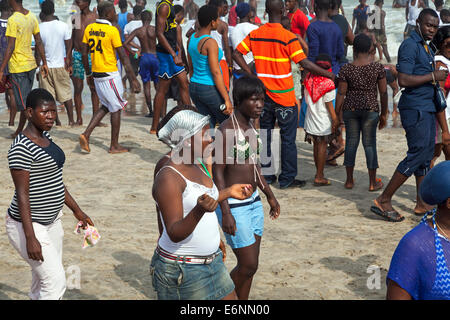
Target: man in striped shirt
[(273, 48)]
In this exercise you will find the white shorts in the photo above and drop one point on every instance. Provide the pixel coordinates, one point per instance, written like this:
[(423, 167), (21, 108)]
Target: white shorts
[(110, 91)]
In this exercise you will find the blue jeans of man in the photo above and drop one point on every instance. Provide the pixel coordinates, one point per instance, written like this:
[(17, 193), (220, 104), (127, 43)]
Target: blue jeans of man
[(287, 118), (420, 128)]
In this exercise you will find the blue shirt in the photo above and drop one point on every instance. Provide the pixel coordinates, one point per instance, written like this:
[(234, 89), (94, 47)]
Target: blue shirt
[(413, 59), (413, 265), (202, 72), (326, 37)]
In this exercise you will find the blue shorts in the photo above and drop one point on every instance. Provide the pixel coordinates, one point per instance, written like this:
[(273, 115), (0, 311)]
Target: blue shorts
[(249, 217), (167, 67), (183, 281), (148, 68)]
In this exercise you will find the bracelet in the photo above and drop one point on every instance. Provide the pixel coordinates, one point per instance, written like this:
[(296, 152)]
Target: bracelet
[(432, 76)]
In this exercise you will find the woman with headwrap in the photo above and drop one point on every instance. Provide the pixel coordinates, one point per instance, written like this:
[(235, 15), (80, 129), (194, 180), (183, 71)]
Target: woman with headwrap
[(419, 269), (187, 263), (359, 85)]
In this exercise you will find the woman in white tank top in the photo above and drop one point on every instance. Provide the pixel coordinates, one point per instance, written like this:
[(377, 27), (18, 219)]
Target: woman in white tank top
[(441, 42), (187, 263)]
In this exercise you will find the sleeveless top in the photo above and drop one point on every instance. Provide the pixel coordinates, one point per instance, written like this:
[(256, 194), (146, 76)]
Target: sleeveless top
[(170, 31), (205, 238), (202, 72), (413, 12), (122, 22), (445, 61)]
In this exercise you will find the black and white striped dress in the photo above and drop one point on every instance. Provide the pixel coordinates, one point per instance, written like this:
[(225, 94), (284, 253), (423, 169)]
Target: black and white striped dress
[(46, 191)]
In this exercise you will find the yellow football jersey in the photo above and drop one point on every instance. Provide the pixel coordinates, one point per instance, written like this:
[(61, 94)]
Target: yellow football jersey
[(102, 39)]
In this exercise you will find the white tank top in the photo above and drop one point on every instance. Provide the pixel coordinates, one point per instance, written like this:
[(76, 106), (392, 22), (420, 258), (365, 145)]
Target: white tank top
[(206, 236), (413, 12), (445, 61)]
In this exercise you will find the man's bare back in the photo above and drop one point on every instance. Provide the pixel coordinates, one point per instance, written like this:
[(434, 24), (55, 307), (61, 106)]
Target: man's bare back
[(85, 19), (147, 37)]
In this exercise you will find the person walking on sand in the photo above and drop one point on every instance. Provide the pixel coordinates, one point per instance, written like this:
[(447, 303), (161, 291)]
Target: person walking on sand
[(102, 41), (56, 37), (33, 221), (187, 263), (273, 48), (359, 85), (6, 85), (148, 62), (80, 20), (21, 26), (412, 12), (242, 221), (417, 112), (170, 61), (321, 122)]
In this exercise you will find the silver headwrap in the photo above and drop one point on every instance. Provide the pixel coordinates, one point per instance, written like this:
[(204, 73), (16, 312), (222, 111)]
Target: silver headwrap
[(183, 125)]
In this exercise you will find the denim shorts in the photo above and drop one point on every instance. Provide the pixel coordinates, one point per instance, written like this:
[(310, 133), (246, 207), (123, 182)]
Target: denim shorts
[(183, 281), (249, 217)]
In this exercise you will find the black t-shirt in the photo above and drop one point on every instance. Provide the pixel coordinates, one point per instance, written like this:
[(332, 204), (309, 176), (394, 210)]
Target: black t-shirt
[(170, 31)]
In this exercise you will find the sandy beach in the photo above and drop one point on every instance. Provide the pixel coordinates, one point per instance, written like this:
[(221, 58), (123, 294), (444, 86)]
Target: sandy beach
[(321, 247)]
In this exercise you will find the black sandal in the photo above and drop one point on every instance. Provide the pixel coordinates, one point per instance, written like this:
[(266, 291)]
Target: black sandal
[(392, 216)]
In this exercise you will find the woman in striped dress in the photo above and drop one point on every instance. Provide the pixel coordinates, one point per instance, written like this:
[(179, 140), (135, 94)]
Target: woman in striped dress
[(33, 220)]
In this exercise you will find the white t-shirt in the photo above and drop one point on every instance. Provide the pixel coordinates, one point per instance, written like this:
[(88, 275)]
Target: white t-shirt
[(239, 32), (53, 34), (178, 2), (318, 119), (129, 28)]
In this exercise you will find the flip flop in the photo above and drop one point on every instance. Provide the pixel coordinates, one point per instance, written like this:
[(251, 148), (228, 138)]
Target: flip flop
[(392, 216), (84, 144), (322, 184), (121, 151)]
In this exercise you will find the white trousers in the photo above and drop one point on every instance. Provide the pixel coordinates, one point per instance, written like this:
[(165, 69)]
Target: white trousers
[(48, 277)]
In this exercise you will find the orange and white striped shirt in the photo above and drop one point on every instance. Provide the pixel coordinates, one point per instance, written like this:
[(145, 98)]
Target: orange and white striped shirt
[(273, 48)]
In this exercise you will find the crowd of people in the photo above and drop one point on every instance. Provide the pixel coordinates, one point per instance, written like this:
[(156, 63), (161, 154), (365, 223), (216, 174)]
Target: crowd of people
[(236, 80)]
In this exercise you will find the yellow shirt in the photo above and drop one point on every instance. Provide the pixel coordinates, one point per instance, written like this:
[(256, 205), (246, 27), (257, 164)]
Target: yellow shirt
[(22, 27), (102, 38)]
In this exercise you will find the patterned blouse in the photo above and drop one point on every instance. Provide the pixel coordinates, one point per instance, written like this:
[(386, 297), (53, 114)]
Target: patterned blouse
[(362, 92)]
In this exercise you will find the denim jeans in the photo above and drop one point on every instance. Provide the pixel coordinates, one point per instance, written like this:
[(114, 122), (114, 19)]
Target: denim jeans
[(287, 118), (355, 123), (207, 99), (420, 128)]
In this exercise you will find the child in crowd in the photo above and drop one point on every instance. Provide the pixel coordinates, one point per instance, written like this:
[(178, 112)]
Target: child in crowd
[(321, 120)]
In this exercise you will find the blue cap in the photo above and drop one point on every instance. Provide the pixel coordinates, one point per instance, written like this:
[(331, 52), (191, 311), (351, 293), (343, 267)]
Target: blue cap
[(435, 187), (242, 10)]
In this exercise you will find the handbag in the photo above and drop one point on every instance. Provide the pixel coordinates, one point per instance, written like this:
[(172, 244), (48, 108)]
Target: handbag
[(439, 98)]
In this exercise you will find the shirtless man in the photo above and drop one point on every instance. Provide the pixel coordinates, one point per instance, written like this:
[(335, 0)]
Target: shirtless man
[(169, 56), (80, 21), (148, 64)]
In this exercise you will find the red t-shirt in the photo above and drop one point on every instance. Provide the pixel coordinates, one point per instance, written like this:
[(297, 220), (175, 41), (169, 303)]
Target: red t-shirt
[(232, 17), (299, 22)]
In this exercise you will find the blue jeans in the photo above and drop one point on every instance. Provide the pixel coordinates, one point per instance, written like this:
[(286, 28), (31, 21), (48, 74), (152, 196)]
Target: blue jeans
[(182, 281), (420, 128), (207, 99), (287, 118), (357, 122)]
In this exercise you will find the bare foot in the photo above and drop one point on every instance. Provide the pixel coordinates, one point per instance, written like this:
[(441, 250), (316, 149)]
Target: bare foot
[(118, 149), (84, 143), (101, 124), (11, 124), (421, 209), (378, 185), (319, 182), (349, 184), (152, 131), (13, 135), (79, 122), (58, 123)]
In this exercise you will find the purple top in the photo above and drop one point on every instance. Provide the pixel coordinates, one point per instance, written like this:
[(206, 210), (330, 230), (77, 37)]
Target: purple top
[(3, 42)]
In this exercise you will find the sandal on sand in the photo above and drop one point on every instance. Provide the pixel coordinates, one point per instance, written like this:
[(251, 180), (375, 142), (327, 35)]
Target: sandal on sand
[(379, 184), (392, 216), (336, 154)]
